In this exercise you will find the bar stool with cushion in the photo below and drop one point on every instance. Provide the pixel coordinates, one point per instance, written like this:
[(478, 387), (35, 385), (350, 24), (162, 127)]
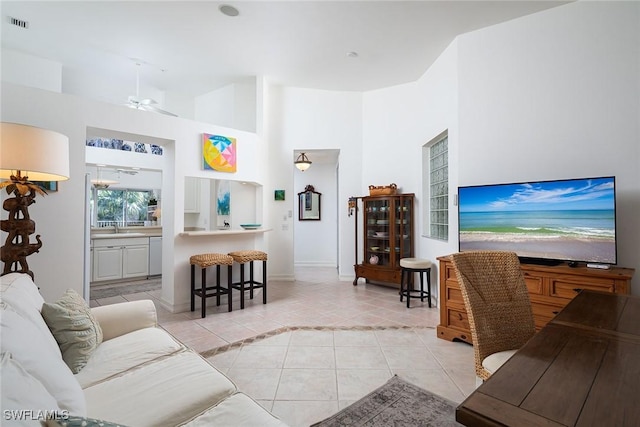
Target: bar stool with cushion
[(249, 256), (408, 266), (203, 261)]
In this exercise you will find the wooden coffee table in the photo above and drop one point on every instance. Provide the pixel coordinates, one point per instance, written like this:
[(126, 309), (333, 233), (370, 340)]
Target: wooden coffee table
[(581, 369)]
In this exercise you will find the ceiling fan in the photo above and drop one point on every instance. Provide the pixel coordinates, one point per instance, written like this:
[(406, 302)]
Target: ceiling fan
[(146, 104)]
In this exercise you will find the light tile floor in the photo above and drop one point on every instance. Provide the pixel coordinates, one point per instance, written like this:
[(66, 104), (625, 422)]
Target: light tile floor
[(304, 375)]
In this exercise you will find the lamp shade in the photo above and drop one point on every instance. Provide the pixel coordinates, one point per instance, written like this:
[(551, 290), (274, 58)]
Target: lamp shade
[(40, 154)]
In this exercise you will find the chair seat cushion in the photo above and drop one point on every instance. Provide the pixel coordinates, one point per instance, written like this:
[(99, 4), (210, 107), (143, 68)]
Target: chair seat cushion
[(492, 362), (415, 263), (247, 256)]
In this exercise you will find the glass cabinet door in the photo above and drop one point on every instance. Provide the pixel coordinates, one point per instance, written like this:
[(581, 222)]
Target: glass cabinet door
[(403, 229), (378, 217)]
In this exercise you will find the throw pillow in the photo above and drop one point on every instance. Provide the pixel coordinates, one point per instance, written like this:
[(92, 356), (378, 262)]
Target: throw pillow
[(75, 329)]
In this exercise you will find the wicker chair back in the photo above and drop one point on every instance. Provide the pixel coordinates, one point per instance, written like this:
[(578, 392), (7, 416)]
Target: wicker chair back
[(497, 302)]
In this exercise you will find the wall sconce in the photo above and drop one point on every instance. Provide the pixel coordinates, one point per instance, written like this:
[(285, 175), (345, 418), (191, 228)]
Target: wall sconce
[(28, 154), (302, 162)]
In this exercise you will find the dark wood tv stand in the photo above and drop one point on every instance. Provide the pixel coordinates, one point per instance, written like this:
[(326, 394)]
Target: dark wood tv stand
[(550, 289)]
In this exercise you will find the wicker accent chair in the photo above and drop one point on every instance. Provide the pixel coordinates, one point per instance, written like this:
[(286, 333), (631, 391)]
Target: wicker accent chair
[(498, 307)]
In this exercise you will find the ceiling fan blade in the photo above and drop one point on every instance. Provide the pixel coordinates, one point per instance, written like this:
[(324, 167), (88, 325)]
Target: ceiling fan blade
[(148, 101), (156, 110)]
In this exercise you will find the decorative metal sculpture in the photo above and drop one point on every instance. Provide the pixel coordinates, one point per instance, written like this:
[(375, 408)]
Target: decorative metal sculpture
[(19, 226)]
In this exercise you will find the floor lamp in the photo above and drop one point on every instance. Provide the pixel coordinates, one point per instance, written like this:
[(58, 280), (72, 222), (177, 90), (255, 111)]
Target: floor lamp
[(27, 155)]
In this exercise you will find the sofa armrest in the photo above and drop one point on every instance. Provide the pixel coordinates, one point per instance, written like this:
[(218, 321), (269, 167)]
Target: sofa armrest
[(122, 318)]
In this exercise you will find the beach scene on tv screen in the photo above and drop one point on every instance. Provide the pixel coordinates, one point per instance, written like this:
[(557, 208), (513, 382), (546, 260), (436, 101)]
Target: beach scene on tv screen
[(565, 220)]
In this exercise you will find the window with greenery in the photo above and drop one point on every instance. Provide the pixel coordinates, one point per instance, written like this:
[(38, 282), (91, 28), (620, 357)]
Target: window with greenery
[(123, 207), (436, 185)]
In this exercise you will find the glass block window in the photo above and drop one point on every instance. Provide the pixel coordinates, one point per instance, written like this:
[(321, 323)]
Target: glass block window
[(438, 184)]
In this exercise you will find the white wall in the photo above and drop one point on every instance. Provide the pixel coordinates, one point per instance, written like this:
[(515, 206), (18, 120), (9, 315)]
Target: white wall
[(551, 95), (398, 122), (311, 119), (315, 242), (557, 95), (23, 69), (215, 106), (233, 106)]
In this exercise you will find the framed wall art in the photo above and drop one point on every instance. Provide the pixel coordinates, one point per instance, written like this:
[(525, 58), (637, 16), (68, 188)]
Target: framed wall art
[(218, 153)]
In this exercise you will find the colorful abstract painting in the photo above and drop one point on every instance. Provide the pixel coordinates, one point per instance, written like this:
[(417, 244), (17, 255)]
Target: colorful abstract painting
[(218, 153), (223, 205), (224, 198)]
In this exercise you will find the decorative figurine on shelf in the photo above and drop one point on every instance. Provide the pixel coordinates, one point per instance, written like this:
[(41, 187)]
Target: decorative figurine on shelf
[(226, 224), (374, 259)]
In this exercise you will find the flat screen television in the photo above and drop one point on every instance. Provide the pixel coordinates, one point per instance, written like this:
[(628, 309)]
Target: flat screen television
[(544, 222)]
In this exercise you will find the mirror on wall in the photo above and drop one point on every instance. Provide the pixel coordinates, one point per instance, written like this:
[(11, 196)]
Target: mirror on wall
[(309, 204)]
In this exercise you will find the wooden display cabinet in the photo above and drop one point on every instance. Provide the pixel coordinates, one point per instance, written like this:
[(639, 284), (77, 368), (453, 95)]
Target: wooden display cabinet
[(550, 289), (387, 235)]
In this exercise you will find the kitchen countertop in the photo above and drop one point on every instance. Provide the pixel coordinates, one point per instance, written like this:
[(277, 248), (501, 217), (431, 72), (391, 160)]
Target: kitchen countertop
[(126, 232), (223, 232), (123, 235)]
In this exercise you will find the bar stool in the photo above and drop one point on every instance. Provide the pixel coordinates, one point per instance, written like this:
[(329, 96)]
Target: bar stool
[(248, 256), (203, 261), (410, 266)]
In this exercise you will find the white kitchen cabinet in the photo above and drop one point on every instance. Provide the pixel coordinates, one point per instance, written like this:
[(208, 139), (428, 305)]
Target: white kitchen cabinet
[(135, 261), (191, 195), (120, 258), (107, 263)]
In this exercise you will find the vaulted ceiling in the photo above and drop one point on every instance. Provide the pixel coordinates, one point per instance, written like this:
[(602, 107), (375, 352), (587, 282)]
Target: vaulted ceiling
[(193, 48)]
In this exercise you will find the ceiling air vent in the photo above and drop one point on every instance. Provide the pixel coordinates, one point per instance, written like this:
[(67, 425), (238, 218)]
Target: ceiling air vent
[(18, 22)]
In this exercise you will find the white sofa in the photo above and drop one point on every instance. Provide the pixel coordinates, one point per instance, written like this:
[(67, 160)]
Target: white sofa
[(138, 376)]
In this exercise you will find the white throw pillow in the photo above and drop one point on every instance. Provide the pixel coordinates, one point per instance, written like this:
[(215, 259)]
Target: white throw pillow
[(21, 338), (20, 293), (24, 399)]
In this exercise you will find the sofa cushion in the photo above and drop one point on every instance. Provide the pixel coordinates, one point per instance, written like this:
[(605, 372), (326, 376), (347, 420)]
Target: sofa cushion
[(22, 392), (237, 410), (75, 421), (124, 317), (167, 392), (74, 328), (21, 338), (126, 352), (20, 293)]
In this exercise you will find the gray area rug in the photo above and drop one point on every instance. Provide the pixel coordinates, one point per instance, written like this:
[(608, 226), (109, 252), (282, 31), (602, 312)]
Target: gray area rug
[(396, 403)]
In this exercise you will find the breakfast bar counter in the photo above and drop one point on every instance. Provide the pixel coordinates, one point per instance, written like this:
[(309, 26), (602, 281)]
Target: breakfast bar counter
[(223, 232)]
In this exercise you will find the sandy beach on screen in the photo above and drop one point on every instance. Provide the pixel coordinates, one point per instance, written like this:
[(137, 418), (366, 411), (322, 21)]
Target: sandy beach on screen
[(567, 248)]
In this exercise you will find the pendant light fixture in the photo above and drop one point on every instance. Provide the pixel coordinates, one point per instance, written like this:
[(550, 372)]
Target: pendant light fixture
[(302, 162), (101, 183)]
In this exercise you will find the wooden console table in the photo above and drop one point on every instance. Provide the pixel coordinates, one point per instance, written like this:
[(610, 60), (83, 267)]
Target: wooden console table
[(550, 289), (581, 369)]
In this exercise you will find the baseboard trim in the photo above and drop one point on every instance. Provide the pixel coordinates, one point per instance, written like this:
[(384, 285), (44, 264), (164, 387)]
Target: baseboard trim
[(315, 264)]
